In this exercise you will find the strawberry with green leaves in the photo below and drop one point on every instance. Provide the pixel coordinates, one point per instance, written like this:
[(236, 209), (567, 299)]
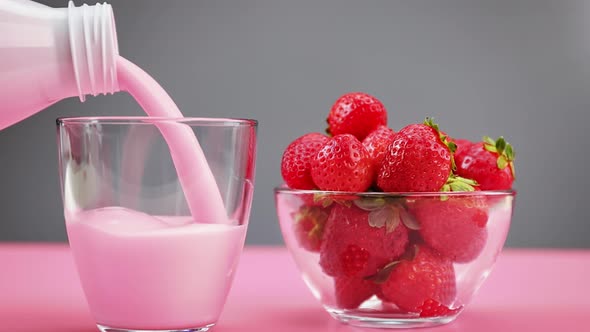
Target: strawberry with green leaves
[(418, 159), (490, 163)]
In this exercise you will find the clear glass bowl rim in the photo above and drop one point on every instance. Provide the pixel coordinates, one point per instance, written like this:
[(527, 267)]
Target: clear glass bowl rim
[(377, 194), (132, 120)]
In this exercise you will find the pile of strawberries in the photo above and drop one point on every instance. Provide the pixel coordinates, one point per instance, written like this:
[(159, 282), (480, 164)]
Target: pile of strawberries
[(402, 250)]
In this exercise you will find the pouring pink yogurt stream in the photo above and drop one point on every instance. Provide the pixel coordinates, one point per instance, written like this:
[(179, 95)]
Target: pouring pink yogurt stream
[(201, 192)]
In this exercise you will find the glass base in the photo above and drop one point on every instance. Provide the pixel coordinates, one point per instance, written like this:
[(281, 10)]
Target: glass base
[(387, 321), (103, 328)]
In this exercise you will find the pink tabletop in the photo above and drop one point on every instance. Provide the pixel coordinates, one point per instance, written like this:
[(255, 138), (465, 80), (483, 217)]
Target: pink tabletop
[(529, 290)]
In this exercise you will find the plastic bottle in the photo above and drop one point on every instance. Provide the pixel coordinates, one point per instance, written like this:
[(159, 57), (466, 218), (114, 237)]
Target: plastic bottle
[(48, 54)]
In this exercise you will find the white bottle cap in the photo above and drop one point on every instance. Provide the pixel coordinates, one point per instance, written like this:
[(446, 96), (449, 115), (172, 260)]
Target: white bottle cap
[(93, 42)]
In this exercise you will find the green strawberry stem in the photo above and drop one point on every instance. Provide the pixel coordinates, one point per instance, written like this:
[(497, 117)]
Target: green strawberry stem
[(318, 216), (444, 138), (369, 203), (504, 150), (382, 275), (327, 199), (457, 183)]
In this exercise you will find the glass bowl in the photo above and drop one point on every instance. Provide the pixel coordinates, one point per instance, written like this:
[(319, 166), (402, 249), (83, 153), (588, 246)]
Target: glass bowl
[(394, 259)]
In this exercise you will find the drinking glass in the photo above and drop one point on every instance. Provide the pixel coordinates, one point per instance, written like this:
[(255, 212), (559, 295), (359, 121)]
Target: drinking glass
[(156, 211)]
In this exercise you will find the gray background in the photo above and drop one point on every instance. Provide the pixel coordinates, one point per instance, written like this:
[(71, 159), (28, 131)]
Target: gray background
[(518, 68)]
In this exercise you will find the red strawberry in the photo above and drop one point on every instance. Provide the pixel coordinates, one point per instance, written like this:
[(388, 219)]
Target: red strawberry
[(455, 227), (416, 160), (358, 242), (377, 142), (296, 162), (490, 163), (356, 113), (309, 226), (427, 276), (342, 164), (462, 146), (432, 308), (351, 292)]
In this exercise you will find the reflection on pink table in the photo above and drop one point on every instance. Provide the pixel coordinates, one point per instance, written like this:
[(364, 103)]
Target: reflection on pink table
[(529, 290)]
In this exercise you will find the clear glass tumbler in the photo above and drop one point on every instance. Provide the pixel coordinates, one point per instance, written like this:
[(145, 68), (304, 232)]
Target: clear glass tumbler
[(156, 211)]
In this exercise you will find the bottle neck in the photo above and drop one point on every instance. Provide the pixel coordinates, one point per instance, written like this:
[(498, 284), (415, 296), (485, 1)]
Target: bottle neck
[(94, 48)]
